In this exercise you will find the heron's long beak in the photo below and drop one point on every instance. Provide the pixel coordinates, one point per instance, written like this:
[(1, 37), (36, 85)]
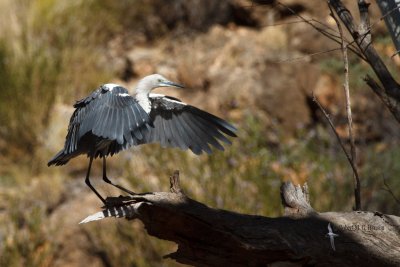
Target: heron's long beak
[(170, 84)]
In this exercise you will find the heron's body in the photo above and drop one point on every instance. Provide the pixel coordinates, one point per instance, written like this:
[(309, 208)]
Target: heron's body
[(111, 120), (95, 127)]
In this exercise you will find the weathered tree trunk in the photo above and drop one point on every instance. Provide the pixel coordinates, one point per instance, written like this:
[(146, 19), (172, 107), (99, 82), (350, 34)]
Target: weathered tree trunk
[(212, 237)]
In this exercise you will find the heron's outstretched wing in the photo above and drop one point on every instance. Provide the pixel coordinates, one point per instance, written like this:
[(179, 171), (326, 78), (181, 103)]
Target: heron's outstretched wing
[(179, 125), (110, 114)]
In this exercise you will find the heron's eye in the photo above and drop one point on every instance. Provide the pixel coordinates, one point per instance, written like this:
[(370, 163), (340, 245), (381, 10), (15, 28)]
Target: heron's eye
[(159, 80)]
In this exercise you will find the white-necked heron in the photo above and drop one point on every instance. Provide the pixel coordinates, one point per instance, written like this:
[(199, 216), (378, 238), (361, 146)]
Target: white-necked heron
[(110, 120)]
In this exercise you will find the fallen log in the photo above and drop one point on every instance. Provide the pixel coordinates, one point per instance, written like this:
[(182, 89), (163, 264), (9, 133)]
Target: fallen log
[(214, 237)]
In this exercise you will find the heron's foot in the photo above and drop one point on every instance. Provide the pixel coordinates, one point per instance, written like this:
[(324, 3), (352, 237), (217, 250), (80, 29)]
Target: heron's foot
[(105, 179), (116, 201)]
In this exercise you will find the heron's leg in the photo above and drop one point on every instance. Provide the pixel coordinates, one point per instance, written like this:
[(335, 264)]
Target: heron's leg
[(87, 181), (105, 179)]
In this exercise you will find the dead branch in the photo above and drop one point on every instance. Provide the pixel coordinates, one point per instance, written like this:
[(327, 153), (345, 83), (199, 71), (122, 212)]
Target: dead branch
[(295, 200), (361, 34), (213, 237), (349, 159), (389, 190), (325, 30), (392, 104), (357, 185), (389, 92)]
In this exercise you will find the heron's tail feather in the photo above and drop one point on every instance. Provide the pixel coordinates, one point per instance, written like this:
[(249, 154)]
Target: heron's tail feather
[(60, 158)]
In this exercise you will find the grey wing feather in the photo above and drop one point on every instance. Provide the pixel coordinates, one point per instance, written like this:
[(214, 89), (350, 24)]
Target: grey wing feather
[(106, 114), (176, 124), (192, 143), (83, 102), (201, 139)]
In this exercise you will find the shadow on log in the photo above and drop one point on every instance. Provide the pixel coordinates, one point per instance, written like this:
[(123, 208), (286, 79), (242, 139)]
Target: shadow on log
[(213, 237)]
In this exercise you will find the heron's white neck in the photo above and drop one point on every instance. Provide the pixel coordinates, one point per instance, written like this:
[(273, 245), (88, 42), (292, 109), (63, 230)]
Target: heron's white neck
[(144, 86), (144, 101), (142, 94)]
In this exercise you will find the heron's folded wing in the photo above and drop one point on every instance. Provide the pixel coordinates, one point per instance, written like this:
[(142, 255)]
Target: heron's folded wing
[(179, 125), (113, 115), (84, 101)]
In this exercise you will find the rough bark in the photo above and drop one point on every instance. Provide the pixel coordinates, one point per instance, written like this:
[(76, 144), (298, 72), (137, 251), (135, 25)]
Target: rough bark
[(213, 237)]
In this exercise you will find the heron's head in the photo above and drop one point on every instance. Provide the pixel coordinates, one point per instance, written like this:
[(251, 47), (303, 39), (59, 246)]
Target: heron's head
[(153, 81)]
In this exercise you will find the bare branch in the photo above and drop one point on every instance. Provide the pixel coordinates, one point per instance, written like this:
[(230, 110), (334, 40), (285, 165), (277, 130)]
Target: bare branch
[(308, 55), (389, 190), (285, 23), (326, 33), (388, 13), (362, 37), (391, 104), (337, 137), (357, 185)]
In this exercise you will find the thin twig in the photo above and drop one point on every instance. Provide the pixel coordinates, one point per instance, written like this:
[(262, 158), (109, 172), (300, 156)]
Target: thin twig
[(391, 103), (283, 23), (331, 36), (387, 14), (392, 56), (357, 186), (389, 190), (336, 134), (308, 55), (362, 35)]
